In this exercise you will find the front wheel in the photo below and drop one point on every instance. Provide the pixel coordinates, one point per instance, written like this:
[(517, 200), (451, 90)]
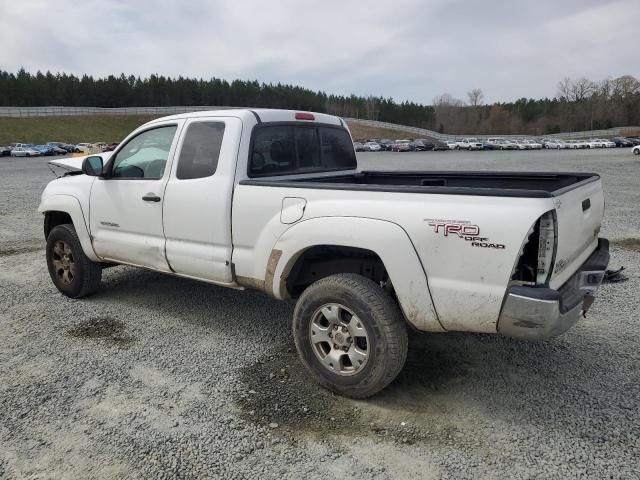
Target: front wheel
[(350, 335), (73, 274), (636, 151)]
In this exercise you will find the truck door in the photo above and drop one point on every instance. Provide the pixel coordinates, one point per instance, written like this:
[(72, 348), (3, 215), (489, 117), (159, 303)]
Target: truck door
[(197, 199), (125, 215)]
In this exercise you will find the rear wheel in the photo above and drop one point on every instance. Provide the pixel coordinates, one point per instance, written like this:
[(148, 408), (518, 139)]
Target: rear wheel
[(73, 274), (350, 335)]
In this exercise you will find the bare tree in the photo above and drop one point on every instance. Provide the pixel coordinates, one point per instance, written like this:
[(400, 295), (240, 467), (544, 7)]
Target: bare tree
[(582, 89), (476, 97), (447, 100), (448, 111), (564, 89), (625, 86)]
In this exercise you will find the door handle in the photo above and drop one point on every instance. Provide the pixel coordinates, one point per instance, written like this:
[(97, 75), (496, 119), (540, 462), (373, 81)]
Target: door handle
[(151, 197)]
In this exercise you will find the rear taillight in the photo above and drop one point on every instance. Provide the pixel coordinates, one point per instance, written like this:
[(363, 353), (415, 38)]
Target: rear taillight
[(546, 246), (537, 255)]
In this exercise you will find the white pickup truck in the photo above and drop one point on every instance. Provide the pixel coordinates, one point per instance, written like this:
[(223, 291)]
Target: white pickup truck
[(273, 200)]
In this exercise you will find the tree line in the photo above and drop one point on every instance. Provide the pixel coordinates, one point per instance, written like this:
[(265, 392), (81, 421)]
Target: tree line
[(580, 104)]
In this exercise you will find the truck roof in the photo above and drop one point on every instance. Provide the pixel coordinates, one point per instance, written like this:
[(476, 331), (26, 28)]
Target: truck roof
[(258, 115)]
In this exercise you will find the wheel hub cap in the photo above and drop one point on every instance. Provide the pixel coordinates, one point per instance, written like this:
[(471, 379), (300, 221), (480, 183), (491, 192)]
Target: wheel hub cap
[(339, 339), (63, 262)]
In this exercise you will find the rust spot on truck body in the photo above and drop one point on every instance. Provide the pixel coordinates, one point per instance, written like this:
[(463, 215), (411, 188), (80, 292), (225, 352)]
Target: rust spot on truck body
[(272, 264), (265, 285)]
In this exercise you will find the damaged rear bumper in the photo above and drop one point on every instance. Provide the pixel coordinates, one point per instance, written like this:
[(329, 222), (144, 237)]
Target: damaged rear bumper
[(537, 313)]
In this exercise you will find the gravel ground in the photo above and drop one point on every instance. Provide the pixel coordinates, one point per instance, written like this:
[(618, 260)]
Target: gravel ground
[(159, 377)]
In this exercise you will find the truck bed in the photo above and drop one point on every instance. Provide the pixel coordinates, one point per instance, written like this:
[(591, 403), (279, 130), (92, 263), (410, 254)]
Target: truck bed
[(499, 184)]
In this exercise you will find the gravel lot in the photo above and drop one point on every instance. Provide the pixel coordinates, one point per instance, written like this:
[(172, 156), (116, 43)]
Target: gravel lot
[(158, 377)]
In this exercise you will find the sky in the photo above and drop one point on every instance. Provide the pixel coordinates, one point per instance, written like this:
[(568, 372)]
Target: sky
[(405, 49)]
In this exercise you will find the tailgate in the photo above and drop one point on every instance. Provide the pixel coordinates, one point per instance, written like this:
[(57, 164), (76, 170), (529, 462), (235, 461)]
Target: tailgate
[(579, 214)]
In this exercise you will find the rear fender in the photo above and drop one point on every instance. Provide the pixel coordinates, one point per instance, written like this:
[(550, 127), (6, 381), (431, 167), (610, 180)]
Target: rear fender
[(388, 240), (70, 205)]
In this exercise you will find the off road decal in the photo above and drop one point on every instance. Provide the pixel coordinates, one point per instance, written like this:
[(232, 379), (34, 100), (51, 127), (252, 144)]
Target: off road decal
[(462, 229)]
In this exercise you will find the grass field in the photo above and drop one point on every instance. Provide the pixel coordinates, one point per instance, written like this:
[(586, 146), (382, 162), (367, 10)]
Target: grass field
[(71, 129), (112, 128)]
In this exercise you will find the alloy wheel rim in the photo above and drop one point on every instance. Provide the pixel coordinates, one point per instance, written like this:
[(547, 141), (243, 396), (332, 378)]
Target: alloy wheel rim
[(339, 339), (63, 262)]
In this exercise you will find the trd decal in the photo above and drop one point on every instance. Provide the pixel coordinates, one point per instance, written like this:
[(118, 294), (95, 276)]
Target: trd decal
[(463, 229)]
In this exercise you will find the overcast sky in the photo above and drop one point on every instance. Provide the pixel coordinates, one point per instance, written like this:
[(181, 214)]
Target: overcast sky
[(405, 49)]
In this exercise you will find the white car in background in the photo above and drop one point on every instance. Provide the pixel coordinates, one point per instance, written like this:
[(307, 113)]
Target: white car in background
[(533, 145), (451, 145), (594, 143), (521, 144), (84, 147), (577, 144), (372, 146), (469, 143), (24, 152), (607, 143), (554, 143), (504, 144)]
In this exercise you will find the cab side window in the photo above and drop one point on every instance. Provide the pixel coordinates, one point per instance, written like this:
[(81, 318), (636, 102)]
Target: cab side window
[(145, 156), (200, 150)]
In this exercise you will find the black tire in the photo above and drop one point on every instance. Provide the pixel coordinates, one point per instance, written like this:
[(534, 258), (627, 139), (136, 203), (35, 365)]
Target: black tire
[(86, 276), (636, 151), (380, 316)]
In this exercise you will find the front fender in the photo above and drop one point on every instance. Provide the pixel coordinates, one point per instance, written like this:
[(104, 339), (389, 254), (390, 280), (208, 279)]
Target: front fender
[(388, 240), (70, 205)]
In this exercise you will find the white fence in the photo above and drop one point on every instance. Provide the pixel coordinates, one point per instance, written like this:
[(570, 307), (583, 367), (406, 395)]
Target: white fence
[(18, 112), (421, 132), (63, 111)]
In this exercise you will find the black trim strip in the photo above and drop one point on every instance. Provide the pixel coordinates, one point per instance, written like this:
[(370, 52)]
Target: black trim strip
[(318, 184), (255, 114)]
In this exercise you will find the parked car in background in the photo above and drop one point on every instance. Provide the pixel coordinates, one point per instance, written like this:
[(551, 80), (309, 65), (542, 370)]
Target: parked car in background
[(622, 142), (451, 144), (533, 145), (504, 144), (439, 146), (607, 143), (522, 144), (422, 145), (553, 143), (84, 147), (109, 147), (470, 143), (594, 143), (5, 151), (576, 144), (373, 146), (487, 145), (634, 140), (401, 146), (385, 144), (24, 152), (358, 146), (44, 149)]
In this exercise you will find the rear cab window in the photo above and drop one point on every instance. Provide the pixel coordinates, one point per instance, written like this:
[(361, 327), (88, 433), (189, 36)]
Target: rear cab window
[(285, 149)]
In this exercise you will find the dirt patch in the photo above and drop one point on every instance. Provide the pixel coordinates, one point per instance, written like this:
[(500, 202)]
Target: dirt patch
[(20, 249), (111, 330), (632, 244), (278, 390)]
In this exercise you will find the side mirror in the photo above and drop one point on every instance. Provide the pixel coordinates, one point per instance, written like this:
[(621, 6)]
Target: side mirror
[(92, 166)]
